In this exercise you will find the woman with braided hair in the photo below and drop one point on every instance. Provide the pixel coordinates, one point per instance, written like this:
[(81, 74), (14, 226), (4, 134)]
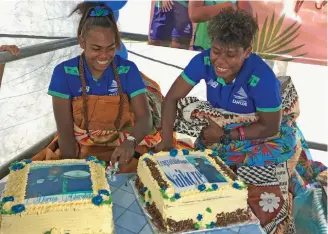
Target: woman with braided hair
[(100, 100), (249, 121)]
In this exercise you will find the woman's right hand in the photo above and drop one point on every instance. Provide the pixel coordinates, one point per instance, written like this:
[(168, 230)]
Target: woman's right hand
[(167, 5), (123, 153)]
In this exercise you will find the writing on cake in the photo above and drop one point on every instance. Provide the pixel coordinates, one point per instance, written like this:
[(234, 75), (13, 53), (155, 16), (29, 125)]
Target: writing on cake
[(187, 172), (58, 183)]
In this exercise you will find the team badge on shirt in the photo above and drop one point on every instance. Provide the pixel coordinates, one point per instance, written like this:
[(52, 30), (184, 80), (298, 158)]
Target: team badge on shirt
[(239, 97), (113, 90)]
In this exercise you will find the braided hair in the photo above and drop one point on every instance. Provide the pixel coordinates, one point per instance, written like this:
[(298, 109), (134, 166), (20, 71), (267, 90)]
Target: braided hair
[(87, 22)]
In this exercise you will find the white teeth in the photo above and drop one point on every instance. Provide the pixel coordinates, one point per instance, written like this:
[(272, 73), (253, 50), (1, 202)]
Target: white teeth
[(102, 62), (221, 69)]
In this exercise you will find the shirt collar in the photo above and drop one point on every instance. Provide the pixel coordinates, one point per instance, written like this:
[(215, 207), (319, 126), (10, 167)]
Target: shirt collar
[(88, 74)]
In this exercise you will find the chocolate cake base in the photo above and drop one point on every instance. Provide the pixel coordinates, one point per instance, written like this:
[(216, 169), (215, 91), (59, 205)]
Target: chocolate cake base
[(170, 225)]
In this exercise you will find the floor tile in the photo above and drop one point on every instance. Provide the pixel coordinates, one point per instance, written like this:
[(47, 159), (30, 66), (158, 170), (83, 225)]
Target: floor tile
[(146, 230), (119, 230), (131, 175), (236, 229), (127, 187), (221, 231), (131, 221), (2, 186), (113, 189), (119, 180), (123, 198), (254, 229), (136, 208), (117, 211)]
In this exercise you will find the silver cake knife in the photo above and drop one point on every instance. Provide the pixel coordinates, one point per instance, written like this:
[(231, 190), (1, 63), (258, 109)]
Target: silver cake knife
[(111, 171)]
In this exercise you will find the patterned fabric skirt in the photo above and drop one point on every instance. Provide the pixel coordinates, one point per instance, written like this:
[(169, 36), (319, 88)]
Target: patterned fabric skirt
[(286, 188)]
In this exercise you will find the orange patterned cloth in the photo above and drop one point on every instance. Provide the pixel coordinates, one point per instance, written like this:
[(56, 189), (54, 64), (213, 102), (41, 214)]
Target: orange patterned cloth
[(103, 137)]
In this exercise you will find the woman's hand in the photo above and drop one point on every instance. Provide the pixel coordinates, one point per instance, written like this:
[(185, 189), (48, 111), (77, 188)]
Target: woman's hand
[(212, 133), (14, 50), (167, 5), (123, 153)]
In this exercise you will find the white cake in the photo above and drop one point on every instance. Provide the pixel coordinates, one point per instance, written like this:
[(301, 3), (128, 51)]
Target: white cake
[(191, 190), (66, 196)]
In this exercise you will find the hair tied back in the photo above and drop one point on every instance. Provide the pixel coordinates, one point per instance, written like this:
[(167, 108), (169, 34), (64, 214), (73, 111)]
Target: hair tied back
[(99, 11)]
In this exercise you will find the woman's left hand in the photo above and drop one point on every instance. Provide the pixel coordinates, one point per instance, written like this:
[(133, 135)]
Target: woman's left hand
[(123, 153), (212, 133), (14, 50)]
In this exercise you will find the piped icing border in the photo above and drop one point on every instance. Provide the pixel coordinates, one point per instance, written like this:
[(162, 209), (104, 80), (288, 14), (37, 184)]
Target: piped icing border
[(149, 164), (222, 219), (14, 195)]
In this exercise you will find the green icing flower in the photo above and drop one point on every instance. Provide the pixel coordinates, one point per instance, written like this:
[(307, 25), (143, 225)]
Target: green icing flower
[(164, 195), (208, 210), (172, 199)]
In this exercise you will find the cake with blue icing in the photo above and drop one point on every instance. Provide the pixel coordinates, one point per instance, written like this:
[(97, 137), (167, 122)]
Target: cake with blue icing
[(64, 196), (186, 191)]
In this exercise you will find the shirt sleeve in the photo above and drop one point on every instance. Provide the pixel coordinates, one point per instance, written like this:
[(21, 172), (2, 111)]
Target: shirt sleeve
[(59, 85), (195, 70), (134, 82), (266, 91)]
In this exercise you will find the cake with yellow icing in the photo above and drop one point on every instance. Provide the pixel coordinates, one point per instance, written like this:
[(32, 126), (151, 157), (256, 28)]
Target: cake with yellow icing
[(186, 190), (62, 197)]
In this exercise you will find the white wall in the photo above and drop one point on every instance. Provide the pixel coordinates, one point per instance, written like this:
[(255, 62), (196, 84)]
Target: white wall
[(37, 17), (134, 16)]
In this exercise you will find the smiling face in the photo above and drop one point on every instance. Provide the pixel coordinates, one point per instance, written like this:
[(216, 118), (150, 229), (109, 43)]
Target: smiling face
[(228, 60), (99, 49)]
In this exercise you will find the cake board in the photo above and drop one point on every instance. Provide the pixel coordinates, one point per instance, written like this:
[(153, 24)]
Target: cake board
[(253, 220)]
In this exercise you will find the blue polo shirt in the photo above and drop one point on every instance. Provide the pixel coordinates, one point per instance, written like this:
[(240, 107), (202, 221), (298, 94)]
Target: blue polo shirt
[(66, 83), (255, 88)]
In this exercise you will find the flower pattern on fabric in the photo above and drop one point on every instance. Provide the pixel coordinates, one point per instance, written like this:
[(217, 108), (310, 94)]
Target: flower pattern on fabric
[(258, 152), (269, 202), (273, 151), (273, 211), (310, 212)]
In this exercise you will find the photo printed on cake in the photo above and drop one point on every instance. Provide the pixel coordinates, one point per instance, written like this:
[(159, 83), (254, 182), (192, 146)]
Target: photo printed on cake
[(187, 172), (58, 183)]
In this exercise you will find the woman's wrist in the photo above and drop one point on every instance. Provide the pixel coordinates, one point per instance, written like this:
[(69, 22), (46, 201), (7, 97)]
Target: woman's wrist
[(167, 141), (167, 136), (132, 140), (235, 134), (127, 144)]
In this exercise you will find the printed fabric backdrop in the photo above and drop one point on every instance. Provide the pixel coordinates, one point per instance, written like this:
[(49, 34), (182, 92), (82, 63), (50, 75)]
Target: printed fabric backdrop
[(289, 30)]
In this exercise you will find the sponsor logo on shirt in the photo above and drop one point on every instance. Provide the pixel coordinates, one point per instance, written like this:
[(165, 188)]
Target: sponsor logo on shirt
[(239, 97), (113, 90), (187, 29), (87, 88), (213, 83)]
